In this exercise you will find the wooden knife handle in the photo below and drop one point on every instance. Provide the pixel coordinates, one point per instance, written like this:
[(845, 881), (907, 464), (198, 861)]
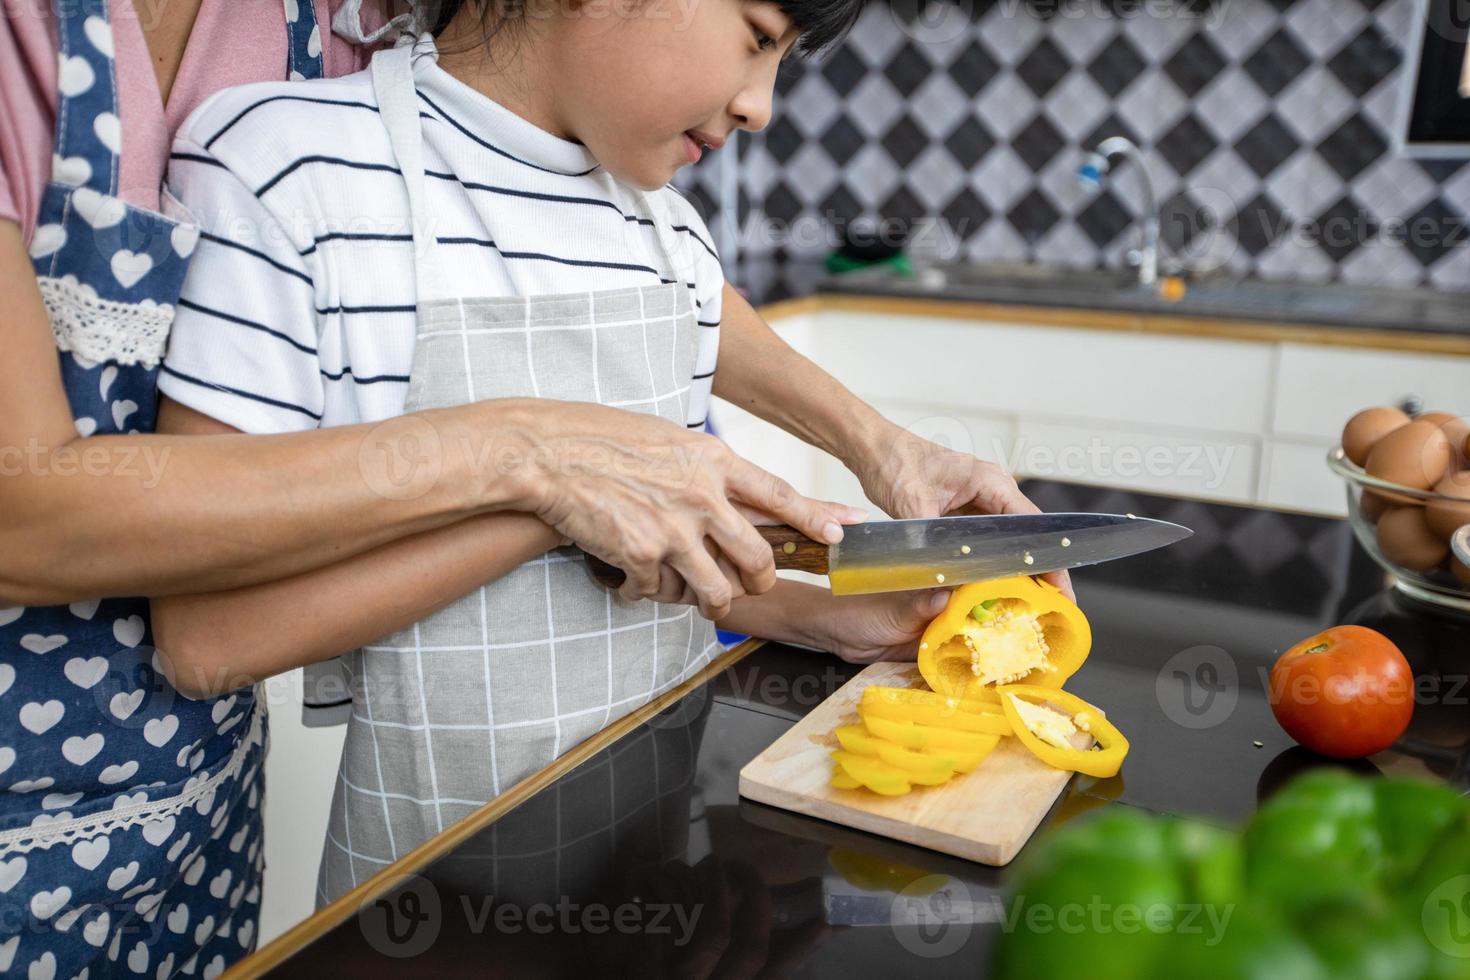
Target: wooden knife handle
[(789, 547)]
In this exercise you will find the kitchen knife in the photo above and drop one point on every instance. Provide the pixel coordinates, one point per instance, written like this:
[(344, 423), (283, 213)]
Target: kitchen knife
[(891, 556)]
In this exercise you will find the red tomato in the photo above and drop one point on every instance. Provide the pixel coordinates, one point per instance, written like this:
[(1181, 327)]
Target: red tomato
[(1346, 692)]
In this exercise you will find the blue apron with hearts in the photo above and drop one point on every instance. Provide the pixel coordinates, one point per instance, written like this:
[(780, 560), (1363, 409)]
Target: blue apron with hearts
[(130, 832)]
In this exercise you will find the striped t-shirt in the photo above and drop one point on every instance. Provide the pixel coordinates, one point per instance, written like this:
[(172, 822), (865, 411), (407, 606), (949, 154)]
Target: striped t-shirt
[(298, 309)]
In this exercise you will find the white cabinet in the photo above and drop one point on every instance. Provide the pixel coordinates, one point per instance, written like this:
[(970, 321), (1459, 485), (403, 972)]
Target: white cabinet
[(1247, 421)]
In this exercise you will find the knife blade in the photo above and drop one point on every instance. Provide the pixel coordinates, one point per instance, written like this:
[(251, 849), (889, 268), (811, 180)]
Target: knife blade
[(893, 556), (890, 556)]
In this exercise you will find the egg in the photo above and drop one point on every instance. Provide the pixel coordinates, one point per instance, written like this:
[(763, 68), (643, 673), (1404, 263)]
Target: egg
[(1366, 428), (1406, 539), (1415, 455), (1457, 430), (1446, 516), (1373, 505)]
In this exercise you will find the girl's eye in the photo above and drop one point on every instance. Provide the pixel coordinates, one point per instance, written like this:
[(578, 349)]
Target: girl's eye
[(762, 40)]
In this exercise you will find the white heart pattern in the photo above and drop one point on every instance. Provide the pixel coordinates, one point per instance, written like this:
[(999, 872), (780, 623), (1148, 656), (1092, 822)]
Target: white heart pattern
[(36, 643), (121, 410), (10, 614), (177, 848), (30, 786), (79, 751), (222, 708), (202, 931), (128, 267), (99, 32), (166, 967), (90, 853), (86, 426), (314, 43), (7, 952), (59, 801), (293, 12), (7, 678), (113, 775), (220, 884), (98, 210), (38, 719), (128, 632), (95, 932), (109, 130), (45, 904), (138, 958), (156, 832), (178, 919), (11, 872), (73, 75), (122, 875), (47, 239), (43, 968), (184, 238), (104, 382), (71, 171), (158, 731), (87, 608), (124, 703), (7, 757), (85, 673)]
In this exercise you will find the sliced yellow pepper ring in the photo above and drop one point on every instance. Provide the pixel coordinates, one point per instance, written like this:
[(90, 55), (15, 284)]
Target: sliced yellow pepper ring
[(873, 773), (926, 737), (855, 739), (1017, 629), (926, 768), (928, 708), (1102, 760), (841, 780)]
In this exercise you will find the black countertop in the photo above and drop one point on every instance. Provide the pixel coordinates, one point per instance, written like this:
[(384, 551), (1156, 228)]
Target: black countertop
[(1213, 296), (644, 860)]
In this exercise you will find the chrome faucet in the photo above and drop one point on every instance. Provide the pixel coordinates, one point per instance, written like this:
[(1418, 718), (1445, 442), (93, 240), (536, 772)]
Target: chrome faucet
[(1090, 175)]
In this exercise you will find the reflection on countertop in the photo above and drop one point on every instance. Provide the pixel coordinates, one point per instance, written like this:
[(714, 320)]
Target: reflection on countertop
[(1220, 296), (645, 861)]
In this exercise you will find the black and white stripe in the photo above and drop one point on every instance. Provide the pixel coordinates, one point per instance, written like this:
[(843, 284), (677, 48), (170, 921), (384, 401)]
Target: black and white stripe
[(298, 309)]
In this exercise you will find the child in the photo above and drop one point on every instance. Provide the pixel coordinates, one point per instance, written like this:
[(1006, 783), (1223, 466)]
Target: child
[(418, 236)]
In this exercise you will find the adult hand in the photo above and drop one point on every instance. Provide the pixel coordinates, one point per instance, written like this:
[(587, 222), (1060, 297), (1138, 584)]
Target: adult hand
[(909, 476), (658, 501)]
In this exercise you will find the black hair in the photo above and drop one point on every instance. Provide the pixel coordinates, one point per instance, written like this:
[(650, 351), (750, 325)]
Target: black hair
[(820, 23)]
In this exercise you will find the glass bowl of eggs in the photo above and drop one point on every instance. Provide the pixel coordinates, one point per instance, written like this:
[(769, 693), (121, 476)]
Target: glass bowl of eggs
[(1408, 493)]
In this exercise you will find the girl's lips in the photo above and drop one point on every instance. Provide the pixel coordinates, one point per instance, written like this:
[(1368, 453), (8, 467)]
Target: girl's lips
[(691, 149)]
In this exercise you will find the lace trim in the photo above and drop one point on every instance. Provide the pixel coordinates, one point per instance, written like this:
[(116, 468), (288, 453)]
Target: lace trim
[(22, 840), (103, 329)]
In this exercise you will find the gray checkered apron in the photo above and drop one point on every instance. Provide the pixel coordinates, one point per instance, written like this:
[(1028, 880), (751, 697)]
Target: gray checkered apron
[(453, 710)]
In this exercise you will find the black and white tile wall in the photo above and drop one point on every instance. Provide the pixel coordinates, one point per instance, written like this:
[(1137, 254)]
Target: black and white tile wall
[(1268, 126)]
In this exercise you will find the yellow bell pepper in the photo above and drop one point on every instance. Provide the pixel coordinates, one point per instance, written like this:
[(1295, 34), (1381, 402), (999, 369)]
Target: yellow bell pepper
[(928, 708), (873, 773), (1012, 630), (841, 780), (926, 737), (1045, 731)]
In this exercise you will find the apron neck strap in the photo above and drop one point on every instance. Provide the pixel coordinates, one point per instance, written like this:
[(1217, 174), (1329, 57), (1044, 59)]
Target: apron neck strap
[(399, 106), (88, 131), (303, 41)]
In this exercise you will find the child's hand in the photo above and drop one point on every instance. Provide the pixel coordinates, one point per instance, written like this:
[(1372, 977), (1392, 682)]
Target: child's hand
[(864, 629)]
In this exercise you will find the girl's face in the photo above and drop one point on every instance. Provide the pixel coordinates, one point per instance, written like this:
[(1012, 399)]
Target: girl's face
[(629, 78)]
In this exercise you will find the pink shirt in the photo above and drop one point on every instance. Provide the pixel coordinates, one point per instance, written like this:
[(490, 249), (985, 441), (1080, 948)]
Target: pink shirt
[(233, 42)]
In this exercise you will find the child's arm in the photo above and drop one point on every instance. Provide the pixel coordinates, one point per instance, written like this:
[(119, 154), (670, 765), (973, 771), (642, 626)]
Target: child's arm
[(859, 629), (218, 641)]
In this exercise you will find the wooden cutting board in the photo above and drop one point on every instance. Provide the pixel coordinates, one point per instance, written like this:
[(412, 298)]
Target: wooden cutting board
[(985, 816)]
